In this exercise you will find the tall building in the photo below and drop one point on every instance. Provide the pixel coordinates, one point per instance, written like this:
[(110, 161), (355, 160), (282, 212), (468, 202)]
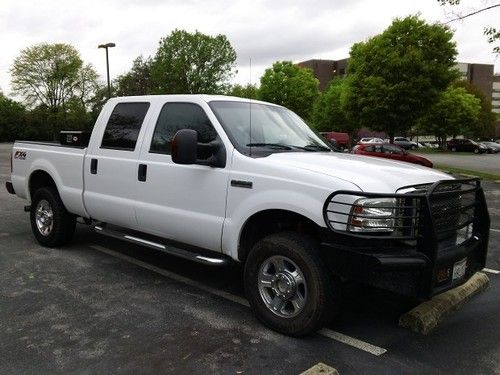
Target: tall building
[(480, 75), (495, 100), (325, 70)]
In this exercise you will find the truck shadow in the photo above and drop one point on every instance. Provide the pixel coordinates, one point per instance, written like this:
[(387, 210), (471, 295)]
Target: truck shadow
[(363, 309)]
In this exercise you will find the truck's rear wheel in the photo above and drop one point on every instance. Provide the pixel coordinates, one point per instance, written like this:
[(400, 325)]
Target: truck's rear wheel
[(288, 286), (51, 223)]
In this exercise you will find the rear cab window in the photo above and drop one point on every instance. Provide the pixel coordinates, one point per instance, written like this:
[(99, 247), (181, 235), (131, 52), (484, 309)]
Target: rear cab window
[(124, 125)]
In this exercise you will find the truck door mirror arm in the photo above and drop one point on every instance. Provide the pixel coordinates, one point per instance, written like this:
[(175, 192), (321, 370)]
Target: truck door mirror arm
[(185, 148)]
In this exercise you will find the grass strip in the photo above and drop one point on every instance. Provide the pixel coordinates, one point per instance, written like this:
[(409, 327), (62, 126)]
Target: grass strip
[(467, 172)]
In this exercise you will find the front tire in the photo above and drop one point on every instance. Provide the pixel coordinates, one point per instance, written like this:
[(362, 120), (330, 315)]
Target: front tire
[(51, 223), (288, 286)]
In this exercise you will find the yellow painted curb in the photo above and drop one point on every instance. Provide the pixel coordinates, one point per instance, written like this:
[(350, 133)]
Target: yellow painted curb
[(427, 316)]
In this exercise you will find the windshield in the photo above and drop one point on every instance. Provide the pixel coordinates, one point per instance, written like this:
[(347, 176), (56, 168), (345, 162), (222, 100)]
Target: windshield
[(274, 128)]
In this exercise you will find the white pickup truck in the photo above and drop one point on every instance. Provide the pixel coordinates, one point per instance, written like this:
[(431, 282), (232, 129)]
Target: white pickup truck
[(218, 179)]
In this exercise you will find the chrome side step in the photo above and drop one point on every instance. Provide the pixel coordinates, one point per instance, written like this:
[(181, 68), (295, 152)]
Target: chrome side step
[(199, 257)]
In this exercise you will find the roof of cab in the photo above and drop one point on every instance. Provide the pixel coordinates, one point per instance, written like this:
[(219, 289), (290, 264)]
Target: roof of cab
[(194, 97)]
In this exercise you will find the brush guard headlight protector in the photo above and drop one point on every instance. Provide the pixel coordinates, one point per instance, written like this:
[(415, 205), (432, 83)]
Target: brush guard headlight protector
[(372, 215)]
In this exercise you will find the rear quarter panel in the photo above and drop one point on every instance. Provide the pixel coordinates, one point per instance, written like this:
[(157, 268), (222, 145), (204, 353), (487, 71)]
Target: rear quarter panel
[(63, 164)]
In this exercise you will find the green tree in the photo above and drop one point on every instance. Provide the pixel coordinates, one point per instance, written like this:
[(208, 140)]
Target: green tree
[(137, 81), (291, 86), (485, 126), (455, 112), (329, 110), (396, 76), (12, 119), (192, 63), (51, 74), (52, 78), (248, 91)]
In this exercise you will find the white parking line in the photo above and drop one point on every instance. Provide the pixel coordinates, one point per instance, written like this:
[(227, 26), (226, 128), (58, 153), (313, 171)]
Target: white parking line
[(495, 230), (337, 336), (494, 272), (372, 349)]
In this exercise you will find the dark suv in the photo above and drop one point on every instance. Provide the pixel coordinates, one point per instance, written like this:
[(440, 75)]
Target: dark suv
[(466, 145)]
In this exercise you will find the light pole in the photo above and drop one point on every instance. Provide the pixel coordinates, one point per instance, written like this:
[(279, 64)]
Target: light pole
[(106, 46)]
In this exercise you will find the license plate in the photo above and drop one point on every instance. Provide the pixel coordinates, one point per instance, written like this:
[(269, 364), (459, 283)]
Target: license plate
[(459, 269)]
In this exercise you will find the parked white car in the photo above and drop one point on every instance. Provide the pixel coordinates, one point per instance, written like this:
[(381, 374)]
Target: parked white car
[(218, 179), (371, 140)]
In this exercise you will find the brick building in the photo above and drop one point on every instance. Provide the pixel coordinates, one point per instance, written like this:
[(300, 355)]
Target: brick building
[(325, 70)]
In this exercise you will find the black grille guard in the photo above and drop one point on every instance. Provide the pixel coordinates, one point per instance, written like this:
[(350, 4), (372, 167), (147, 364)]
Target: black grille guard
[(424, 219), (417, 214)]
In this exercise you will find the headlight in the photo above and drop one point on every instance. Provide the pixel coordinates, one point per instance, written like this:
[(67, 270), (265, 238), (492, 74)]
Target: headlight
[(372, 215)]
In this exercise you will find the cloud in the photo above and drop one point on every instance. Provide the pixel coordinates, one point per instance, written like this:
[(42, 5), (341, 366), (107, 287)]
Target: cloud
[(262, 30)]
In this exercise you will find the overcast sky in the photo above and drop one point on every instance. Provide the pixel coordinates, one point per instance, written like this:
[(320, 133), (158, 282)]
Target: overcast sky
[(264, 31)]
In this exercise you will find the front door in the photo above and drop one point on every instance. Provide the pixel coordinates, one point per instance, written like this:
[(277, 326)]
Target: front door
[(185, 203)]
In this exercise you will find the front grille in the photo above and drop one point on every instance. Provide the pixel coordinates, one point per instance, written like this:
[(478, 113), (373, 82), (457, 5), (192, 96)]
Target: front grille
[(453, 206), (449, 205)]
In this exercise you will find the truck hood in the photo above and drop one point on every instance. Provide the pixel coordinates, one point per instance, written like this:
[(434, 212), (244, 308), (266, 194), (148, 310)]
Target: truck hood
[(370, 174)]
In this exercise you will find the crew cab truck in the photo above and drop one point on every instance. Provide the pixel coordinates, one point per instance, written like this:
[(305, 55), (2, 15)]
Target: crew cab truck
[(218, 179)]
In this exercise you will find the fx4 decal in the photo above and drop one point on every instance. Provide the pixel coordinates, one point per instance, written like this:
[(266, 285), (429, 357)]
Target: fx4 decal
[(20, 155)]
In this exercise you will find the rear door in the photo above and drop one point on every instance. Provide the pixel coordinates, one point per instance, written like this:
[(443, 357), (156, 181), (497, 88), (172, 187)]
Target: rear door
[(110, 170), (185, 203)]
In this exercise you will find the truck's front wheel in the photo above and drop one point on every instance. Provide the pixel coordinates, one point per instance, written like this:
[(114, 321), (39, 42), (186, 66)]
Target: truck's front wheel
[(288, 286), (51, 223)]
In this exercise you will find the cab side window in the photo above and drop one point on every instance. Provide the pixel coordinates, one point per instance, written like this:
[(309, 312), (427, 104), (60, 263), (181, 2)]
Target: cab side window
[(124, 125), (176, 116)]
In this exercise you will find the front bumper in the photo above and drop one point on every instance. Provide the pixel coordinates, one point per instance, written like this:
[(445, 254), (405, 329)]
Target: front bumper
[(422, 266), (9, 187), (403, 270)]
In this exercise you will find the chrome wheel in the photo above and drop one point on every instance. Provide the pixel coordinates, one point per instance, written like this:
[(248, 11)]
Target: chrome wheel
[(282, 286), (44, 216)]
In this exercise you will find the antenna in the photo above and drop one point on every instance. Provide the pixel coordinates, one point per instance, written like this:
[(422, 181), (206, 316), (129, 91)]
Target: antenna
[(250, 109)]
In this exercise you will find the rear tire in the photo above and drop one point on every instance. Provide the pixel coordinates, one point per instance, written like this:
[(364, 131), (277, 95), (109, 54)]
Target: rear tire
[(51, 223), (454, 149), (306, 293), (476, 151)]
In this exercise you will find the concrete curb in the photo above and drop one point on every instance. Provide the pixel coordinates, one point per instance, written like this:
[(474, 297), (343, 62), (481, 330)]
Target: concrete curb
[(320, 369), (427, 316)]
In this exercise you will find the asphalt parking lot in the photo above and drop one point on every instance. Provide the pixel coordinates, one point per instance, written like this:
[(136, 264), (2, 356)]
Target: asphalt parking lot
[(487, 163), (104, 306)]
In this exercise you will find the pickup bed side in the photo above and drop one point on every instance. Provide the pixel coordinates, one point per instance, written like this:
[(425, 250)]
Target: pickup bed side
[(34, 163)]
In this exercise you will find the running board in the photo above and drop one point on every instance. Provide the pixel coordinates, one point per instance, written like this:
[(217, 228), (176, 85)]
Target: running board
[(199, 257)]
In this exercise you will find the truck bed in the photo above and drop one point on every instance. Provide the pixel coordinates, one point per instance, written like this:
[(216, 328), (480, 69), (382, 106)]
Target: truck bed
[(63, 163)]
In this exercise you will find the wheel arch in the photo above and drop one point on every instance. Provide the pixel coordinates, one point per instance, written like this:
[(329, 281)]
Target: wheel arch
[(269, 221), (40, 178)]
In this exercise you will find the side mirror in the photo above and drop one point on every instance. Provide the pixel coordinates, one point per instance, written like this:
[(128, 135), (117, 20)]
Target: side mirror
[(186, 150), (185, 147)]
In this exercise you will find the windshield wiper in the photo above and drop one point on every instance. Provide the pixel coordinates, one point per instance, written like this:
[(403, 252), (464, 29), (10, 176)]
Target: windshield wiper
[(271, 145), (314, 148)]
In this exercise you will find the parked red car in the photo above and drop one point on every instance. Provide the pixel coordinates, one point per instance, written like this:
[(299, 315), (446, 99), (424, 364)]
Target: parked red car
[(390, 151), (342, 139)]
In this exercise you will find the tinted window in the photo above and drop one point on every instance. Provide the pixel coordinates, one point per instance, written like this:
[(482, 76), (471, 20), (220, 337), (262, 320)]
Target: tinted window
[(124, 125), (389, 149), (176, 116)]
